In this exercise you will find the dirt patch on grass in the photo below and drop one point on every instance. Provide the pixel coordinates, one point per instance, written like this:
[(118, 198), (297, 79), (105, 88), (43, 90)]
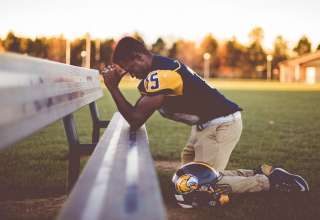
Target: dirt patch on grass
[(167, 165), (48, 208), (44, 208), (179, 213)]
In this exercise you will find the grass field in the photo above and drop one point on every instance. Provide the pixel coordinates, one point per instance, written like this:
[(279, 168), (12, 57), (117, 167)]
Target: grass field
[(281, 126)]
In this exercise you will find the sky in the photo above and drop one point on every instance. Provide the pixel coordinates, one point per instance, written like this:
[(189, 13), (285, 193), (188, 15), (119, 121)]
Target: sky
[(171, 19)]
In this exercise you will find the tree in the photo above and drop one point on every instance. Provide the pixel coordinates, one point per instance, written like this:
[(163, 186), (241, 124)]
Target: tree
[(159, 47), (26, 45), (256, 55), (57, 49), (12, 43), (40, 48), (256, 35), (106, 51), (303, 46), (234, 59), (173, 51), (138, 36), (257, 58), (234, 53), (187, 52), (280, 51), (1, 46), (318, 47), (209, 45), (280, 46), (77, 46)]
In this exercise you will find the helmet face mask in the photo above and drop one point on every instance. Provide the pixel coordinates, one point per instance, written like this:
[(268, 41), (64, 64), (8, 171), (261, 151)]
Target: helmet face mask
[(196, 185)]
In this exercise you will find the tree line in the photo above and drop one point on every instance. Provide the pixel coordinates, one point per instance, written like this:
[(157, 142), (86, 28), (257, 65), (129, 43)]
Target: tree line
[(229, 58)]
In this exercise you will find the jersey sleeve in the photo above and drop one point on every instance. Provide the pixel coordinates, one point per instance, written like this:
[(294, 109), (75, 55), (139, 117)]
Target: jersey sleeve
[(165, 82)]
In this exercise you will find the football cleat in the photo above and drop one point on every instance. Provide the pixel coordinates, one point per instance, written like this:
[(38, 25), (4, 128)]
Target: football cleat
[(283, 181)]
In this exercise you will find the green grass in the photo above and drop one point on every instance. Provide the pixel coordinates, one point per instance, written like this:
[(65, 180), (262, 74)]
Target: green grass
[(281, 126)]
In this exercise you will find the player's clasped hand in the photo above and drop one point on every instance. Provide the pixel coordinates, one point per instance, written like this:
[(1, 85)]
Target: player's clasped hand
[(112, 75)]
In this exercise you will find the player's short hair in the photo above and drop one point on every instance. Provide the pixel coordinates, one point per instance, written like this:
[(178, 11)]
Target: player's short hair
[(126, 48)]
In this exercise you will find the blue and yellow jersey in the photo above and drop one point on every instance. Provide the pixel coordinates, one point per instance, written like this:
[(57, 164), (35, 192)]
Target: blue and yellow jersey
[(188, 98), (166, 82)]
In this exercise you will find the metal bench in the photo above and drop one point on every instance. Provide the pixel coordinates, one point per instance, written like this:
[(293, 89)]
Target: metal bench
[(119, 180)]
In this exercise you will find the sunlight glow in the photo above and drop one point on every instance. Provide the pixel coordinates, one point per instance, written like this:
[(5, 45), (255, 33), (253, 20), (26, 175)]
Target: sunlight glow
[(171, 19)]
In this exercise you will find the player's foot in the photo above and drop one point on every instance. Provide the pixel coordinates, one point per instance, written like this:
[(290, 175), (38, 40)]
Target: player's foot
[(283, 181)]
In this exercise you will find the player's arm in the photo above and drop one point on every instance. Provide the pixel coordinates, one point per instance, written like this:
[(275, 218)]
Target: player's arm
[(138, 114), (135, 115)]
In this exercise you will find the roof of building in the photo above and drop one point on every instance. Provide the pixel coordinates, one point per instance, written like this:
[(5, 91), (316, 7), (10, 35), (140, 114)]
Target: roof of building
[(310, 57)]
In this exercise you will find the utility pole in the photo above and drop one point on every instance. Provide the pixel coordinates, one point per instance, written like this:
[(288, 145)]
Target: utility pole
[(68, 51), (206, 65), (269, 67), (97, 56), (88, 50)]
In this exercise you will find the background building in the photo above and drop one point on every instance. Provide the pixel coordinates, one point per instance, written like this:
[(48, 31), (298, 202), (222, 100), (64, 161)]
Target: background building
[(305, 68)]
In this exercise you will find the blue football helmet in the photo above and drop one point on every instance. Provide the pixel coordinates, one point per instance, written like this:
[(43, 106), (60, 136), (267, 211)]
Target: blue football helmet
[(196, 185)]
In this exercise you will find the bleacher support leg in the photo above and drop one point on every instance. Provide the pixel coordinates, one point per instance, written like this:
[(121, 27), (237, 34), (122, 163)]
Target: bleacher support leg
[(74, 154), (97, 123)]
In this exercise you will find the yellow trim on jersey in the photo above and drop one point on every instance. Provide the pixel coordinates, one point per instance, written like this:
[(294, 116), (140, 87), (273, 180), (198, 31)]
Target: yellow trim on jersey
[(164, 81)]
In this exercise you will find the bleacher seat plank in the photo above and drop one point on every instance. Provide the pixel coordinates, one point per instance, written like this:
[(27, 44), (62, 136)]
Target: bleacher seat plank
[(36, 92), (119, 180)]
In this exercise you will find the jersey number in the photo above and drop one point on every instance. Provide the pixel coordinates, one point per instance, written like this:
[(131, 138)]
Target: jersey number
[(154, 79)]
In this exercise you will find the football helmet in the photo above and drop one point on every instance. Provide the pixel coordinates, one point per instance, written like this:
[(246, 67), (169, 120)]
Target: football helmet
[(196, 185)]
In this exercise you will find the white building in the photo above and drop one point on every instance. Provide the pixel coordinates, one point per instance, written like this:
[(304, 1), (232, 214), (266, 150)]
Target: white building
[(301, 69)]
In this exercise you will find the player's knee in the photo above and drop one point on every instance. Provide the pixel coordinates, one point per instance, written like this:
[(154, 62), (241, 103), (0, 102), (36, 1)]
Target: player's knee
[(187, 155)]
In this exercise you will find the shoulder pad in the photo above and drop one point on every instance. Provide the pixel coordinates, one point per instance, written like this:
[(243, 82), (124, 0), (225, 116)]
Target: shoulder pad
[(163, 82)]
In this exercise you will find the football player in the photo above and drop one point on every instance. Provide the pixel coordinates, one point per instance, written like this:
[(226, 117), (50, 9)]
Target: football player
[(179, 94)]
